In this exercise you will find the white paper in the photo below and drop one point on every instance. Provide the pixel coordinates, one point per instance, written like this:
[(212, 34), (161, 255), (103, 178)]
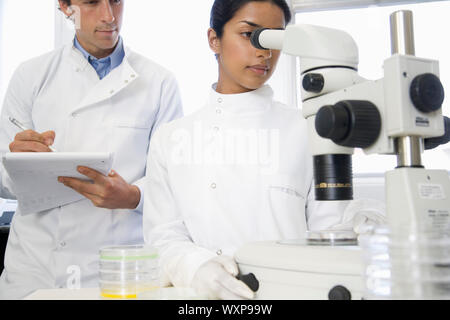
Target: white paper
[(7, 206), (35, 177)]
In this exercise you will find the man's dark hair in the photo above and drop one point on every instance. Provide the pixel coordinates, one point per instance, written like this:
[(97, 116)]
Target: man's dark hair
[(224, 10), (66, 2)]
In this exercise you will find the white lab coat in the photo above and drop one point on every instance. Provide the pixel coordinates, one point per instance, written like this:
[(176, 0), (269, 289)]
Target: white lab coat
[(61, 91), (197, 205)]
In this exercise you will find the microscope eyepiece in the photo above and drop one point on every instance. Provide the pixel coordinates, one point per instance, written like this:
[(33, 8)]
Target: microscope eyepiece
[(254, 39)]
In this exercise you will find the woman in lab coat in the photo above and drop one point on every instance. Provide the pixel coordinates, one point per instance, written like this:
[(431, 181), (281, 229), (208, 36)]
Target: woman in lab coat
[(236, 171), (61, 92)]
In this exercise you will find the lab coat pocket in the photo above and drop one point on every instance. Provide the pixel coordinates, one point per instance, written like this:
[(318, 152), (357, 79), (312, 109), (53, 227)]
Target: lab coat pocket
[(287, 203), (130, 144), (132, 123)]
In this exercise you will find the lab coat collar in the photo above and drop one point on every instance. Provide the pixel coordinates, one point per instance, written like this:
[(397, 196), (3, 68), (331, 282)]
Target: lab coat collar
[(76, 57), (79, 61), (249, 103), (115, 58), (112, 84)]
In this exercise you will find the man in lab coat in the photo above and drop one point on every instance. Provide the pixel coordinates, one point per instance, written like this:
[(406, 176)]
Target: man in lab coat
[(93, 95)]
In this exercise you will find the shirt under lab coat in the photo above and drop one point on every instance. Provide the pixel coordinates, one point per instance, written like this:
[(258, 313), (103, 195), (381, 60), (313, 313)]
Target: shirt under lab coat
[(61, 91), (239, 170)]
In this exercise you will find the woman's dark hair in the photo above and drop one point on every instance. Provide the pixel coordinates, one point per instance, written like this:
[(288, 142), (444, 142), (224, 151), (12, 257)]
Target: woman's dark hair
[(67, 2), (224, 10)]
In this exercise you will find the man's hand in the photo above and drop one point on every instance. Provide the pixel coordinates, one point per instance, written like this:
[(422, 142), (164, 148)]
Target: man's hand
[(31, 141), (109, 192)]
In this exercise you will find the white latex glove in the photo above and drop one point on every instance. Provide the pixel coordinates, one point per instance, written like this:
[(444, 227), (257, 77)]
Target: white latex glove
[(362, 215), (216, 279), (447, 152)]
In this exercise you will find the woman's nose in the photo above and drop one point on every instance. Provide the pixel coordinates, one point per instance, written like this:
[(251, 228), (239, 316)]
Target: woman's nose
[(266, 54)]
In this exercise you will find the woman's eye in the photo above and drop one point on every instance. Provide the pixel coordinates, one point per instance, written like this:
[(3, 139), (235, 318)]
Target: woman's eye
[(246, 34)]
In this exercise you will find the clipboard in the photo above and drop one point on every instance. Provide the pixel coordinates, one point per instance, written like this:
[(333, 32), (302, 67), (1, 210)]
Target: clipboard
[(34, 177)]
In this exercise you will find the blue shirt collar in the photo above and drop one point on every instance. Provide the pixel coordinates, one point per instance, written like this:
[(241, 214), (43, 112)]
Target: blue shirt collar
[(115, 58)]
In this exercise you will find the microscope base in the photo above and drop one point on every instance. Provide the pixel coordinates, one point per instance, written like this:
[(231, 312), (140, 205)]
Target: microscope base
[(298, 271)]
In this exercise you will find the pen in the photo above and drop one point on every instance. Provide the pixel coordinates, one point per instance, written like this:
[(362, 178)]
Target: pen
[(21, 126)]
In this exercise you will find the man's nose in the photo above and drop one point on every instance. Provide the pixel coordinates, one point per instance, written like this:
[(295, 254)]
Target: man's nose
[(107, 14)]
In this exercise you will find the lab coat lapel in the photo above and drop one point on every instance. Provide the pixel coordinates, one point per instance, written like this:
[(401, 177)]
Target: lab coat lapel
[(112, 84)]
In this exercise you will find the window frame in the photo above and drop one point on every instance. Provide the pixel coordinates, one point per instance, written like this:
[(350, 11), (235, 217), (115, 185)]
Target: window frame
[(325, 5), (1, 46)]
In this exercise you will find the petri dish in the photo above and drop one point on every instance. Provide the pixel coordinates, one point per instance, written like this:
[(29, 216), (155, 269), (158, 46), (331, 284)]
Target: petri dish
[(332, 238)]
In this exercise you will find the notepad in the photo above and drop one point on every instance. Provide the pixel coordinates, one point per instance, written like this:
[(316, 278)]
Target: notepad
[(35, 177), (7, 205)]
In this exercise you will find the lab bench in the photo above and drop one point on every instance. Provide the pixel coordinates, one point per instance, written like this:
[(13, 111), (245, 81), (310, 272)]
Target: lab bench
[(66, 294)]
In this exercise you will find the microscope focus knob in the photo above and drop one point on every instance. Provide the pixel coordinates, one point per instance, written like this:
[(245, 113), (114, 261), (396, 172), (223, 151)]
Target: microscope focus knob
[(427, 92), (432, 143), (349, 123), (333, 122), (339, 293), (313, 82), (250, 280)]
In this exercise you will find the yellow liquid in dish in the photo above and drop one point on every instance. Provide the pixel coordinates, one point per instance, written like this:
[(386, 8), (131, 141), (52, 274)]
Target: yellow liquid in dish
[(130, 292)]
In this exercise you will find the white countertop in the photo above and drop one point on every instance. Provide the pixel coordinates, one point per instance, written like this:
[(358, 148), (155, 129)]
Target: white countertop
[(66, 294), (94, 294)]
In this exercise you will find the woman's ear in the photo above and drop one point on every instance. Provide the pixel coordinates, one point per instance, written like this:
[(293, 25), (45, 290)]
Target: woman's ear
[(214, 41)]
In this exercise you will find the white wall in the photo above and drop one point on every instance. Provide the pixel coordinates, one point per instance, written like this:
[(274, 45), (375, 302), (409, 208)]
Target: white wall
[(174, 34), (27, 30)]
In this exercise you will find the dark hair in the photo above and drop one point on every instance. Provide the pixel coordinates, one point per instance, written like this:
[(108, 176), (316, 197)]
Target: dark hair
[(66, 2), (224, 10)]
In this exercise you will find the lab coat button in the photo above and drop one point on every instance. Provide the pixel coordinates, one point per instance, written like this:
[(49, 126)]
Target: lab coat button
[(218, 111), (219, 252), (216, 129), (213, 186), (220, 100), (62, 244)]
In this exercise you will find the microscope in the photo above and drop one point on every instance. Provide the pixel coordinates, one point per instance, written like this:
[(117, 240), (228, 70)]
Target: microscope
[(399, 115)]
